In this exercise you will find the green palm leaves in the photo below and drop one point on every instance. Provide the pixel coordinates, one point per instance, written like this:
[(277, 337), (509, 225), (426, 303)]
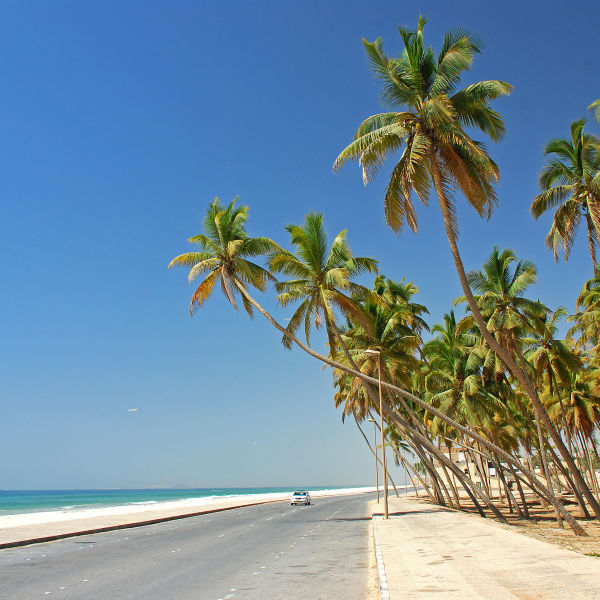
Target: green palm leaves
[(595, 108), (225, 250), (429, 130), (587, 318), (322, 278), (500, 289), (570, 181)]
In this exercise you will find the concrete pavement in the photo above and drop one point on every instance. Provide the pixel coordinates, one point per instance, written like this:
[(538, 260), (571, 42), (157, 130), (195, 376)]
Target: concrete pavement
[(431, 552), (265, 552)]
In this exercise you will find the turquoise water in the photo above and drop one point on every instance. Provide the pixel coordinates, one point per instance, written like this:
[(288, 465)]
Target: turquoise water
[(15, 501)]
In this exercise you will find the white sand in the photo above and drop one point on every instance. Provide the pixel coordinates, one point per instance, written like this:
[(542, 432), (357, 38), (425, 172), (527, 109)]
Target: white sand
[(154, 510)]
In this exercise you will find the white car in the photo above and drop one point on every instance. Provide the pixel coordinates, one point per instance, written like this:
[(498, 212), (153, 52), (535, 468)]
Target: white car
[(300, 497)]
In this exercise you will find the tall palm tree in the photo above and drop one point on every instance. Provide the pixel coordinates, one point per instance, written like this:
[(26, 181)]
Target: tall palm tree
[(430, 127), (570, 181), (322, 279), (225, 249)]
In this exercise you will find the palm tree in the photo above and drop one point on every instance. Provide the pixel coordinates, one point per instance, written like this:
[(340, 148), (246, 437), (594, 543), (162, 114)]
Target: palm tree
[(223, 243), (430, 127), (320, 279), (587, 318), (500, 289), (225, 249), (595, 108), (509, 315), (570, 180), (552, 359)]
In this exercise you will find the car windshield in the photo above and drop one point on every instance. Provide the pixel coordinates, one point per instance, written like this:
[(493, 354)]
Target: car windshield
[(299, 493)]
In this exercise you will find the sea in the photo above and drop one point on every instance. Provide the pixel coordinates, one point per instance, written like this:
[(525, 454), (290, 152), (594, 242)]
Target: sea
[(28, 501)]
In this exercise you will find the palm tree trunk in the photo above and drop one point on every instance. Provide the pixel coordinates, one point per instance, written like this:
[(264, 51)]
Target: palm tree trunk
[(374, 454), (521, 492), (545, 466), (405, 394), (554, 389), (509, 495), (570, 482), (435, 481), (497, 461), (591, 241), (590, 465), (514, 368)]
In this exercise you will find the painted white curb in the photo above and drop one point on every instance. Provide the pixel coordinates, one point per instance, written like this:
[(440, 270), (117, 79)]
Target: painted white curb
[(384, 592)]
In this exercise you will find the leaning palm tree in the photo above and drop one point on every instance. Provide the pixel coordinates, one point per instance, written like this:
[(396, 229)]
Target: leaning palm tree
[(322, 279), (429, 126), (225, 250), (570, 181), (219, 242)]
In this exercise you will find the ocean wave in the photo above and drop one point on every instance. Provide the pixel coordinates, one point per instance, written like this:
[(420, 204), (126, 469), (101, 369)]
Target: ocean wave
[(146, 502)]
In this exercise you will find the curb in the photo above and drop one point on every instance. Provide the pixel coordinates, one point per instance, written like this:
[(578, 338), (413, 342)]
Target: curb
[(384, 591)]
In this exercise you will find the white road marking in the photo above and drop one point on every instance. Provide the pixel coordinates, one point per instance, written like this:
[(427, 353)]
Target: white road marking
[(64, 587), (46, 593)]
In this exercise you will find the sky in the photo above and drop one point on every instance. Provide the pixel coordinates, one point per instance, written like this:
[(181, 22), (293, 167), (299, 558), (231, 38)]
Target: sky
[(121, 121)]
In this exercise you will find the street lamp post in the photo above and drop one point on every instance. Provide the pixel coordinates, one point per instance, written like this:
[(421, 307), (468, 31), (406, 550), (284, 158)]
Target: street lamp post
[(383, 461), (376, 457)]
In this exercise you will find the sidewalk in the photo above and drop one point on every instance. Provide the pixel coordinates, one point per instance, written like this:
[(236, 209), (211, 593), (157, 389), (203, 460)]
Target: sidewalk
[(431, 552)]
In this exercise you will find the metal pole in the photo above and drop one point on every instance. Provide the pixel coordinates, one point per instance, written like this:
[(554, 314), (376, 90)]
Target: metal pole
[(376, 459), (385, 482)]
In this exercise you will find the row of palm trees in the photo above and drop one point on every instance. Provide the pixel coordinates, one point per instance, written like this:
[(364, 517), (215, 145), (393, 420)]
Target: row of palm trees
[(480, 383)]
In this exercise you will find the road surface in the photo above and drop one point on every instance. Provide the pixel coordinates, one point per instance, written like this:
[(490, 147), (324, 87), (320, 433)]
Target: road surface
[(266, 552)]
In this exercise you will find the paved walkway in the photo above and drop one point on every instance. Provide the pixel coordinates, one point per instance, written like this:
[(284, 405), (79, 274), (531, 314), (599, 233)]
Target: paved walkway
[(431, 552)]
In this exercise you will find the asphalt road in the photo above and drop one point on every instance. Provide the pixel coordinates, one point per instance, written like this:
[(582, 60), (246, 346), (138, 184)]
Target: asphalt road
[(267, 552)]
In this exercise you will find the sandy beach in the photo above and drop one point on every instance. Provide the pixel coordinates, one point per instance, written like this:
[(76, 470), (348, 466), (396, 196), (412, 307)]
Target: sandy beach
[(37, 526)]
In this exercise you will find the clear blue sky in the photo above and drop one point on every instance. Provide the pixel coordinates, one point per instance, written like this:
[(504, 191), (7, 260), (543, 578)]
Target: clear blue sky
[(120, 121)]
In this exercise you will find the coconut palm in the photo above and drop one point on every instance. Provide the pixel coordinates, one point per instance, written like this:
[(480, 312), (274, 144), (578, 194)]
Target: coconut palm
[(570, 182), (225, 249), (587, 319), (430, 128), (595, 108), (454, 379), (500, 289), (225, 245), (552, 359), (322, 279), (398, 298)]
